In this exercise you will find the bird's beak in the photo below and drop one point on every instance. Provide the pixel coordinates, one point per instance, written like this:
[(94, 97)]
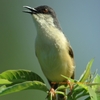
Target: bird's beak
[(30, 10)]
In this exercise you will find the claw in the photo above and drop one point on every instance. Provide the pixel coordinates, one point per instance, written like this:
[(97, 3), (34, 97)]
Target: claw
[(52, 93)]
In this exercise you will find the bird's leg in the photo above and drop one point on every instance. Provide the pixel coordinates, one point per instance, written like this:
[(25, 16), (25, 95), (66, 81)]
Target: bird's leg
[(52, 90), (70, 85)]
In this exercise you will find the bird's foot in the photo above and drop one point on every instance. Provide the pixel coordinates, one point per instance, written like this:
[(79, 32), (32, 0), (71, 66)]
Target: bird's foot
[(52, 93), (70, 85)]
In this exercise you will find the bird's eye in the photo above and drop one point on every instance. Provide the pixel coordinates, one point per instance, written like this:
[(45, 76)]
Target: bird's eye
[(45, 11)]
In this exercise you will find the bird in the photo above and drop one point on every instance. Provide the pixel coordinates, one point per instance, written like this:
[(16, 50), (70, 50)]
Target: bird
[(52, 48)]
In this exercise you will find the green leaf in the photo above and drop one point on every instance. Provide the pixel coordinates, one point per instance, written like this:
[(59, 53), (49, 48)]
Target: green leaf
[(78, 91), (96, 88), (75, 82), (72, 81), (96, 80), (23, 86), (92, 93), (18, 76), (4, 81), (17, 80), (86, 73), (61, 87), (83, 85)]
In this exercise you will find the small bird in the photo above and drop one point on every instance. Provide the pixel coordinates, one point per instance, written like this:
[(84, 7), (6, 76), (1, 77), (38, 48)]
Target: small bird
[(52, 48)]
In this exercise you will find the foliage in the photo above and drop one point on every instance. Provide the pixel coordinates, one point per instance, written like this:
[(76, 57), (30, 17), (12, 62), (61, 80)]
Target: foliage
[(87, 86)]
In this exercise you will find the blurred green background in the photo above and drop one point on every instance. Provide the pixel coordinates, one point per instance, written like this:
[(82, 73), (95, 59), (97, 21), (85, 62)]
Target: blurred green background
[(80, 21)]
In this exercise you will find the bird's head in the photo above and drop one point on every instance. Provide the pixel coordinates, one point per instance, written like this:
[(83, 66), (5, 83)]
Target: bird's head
[(43, 15)]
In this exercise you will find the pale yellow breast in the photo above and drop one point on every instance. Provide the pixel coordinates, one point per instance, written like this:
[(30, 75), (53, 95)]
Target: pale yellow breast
[(52, 54)]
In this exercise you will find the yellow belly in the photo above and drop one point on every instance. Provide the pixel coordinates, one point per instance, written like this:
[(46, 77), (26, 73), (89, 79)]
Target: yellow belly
[(54, 63)]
